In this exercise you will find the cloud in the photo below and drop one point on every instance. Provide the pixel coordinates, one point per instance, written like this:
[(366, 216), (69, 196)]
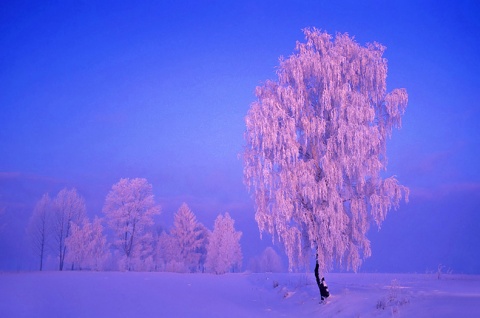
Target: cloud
[(426, 164), (20, 176)]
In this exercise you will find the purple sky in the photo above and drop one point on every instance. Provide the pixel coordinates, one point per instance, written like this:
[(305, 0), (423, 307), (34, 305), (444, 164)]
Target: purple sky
[(91, 93)]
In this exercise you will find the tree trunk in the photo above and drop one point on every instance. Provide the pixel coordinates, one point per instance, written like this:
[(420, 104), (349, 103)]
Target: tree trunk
[(317, 276), (41, 256)]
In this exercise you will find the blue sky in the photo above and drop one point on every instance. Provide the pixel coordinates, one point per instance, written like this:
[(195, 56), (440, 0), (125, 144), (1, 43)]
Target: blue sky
[(91, 93)]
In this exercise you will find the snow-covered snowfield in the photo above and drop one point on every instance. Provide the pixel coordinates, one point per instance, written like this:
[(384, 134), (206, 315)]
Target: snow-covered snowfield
[(133, 294)]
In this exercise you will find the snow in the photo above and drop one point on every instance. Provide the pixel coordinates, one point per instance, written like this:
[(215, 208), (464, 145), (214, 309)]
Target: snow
[(135, 294)]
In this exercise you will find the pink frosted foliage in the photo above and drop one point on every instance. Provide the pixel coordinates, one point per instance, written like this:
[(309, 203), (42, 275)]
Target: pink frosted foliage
[(69, 209), (190, 238), (224, 252), (129, 210), (316, 146), (87, 246), (167, 258)]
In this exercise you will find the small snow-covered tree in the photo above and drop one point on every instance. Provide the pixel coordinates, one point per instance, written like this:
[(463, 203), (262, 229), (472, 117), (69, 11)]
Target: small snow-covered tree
[(224, 252), (203, 237), (270, 261), (167, 254), (144, 254), (316, 147), (38, 229), (187, 233), (87, 245), (129, 210), (69, 208)]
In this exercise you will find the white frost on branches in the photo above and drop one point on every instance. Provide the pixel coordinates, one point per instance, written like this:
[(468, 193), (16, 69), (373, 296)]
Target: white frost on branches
[(224, 252), (268, 261), (316, 146), (87, 246), (129, 209), (69, 208), (190, 238), (167, 255)]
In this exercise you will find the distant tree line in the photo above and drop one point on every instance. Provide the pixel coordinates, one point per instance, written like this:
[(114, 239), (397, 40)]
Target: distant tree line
[(125, 237)]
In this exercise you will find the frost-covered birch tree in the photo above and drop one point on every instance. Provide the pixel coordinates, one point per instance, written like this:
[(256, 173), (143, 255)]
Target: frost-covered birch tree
[(129, 210), (316, 149), (69, 208), (224, 252), (39, 227)]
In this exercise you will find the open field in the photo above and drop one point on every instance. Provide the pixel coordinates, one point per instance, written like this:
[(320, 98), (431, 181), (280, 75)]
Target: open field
[(133, 294)]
